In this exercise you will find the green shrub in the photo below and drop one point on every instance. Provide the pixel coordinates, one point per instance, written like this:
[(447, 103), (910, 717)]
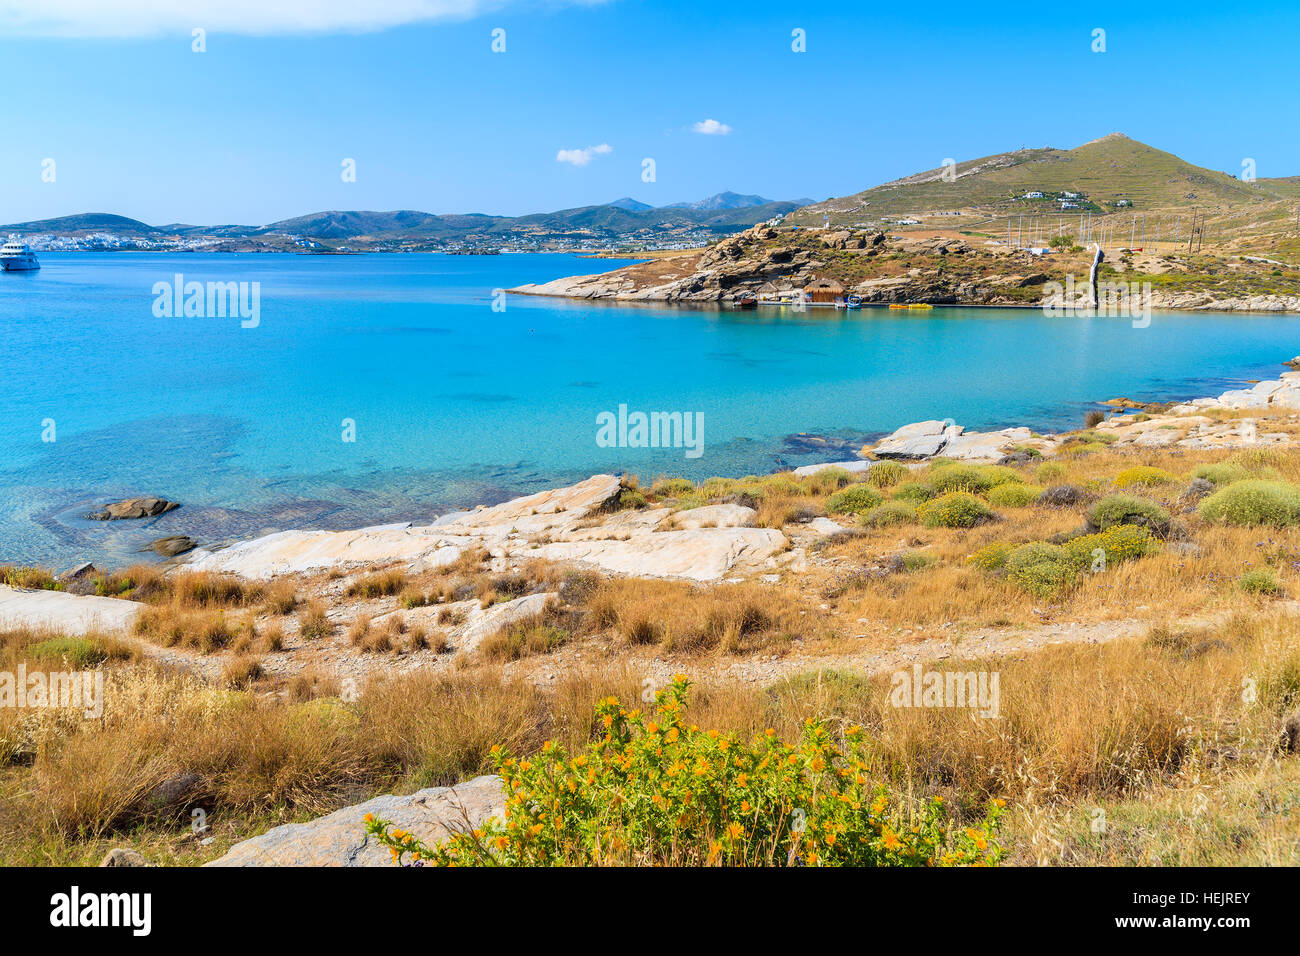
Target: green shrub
[(1259, 581), (917, 491), (1014, 495), (1274, 503), (915, 560), (992, 557), (631, 498), (886, 474), (1121, 542), (787, 486), (825, 481), (976, 479), (957, 509), (654, 789), (889, 514), (1042, 569), (1088, 448), (1049, 471), (1224, 473), (1125, 509), (26, 577), (672, 487), (1142, 476), (854, 499), (78, 652), (957, 477)]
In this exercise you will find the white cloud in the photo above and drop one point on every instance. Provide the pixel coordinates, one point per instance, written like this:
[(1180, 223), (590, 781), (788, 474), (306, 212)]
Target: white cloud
[(581, 157), (135, 18), (711, 127)]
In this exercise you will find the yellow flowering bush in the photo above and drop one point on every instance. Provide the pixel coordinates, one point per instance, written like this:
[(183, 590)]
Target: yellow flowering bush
[(1142, 475), (655, 790)]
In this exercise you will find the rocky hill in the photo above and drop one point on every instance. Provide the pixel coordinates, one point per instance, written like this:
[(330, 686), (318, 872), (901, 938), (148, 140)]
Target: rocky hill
[(940, 269)]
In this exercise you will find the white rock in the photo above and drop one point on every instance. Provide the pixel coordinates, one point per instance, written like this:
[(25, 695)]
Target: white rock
[(58, 611)]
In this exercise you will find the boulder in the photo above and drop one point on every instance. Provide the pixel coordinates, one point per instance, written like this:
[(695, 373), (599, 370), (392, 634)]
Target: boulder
[(131, 508), (79, 573), (175, 791), (121, 856), (918, 440), (339, 839), (171, 545)]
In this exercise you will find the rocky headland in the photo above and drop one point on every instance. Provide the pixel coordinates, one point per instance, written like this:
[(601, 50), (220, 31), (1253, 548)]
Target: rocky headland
[(946, 269)]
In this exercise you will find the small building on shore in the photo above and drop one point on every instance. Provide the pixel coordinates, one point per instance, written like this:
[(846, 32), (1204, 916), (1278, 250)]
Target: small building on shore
[(824, 290)]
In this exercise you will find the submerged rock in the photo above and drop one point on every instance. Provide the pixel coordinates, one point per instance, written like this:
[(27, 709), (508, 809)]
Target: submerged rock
[(172, 545), (131, 508)]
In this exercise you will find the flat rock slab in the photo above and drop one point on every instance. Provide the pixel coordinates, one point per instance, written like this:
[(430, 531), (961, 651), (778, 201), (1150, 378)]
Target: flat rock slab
[(58, 611), (339, 839), (853, 467), (712, 516), (295, 552), (700, 554), (570, 521)]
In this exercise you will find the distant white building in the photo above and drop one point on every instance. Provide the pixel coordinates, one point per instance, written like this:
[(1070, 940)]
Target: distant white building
[(1034, 195), (1070, 195)]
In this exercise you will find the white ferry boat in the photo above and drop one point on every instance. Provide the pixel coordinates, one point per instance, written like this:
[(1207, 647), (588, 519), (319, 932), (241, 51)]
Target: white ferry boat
[(17, 257)]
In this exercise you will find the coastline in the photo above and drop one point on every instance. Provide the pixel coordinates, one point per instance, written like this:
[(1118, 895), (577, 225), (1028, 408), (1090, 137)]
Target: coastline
[(1193, 424), (886, 269)]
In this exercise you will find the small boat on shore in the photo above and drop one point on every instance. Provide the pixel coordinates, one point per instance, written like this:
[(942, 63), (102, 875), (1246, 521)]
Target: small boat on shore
[(851, 302), (16, 256), (746, 300)]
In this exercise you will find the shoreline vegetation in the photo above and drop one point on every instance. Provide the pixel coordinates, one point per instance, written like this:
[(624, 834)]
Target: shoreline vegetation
[(1129, 589)]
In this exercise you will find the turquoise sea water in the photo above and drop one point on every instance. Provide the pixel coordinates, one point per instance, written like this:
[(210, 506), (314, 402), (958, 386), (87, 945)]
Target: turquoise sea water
[(455, 403)]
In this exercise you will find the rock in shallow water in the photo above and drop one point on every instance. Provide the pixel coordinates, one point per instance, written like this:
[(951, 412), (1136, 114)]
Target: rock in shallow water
[(172, 545), (130, 508)]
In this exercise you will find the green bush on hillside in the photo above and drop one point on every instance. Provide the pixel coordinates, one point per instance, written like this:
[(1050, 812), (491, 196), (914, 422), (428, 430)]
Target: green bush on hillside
[(854, 499), (653, 789), (992, 557), (957, 509), (890, 514), (1042, 569), (1125, 509), (886, 474), (1259, 581), (916, 491), (1014, 495), (1142, 475), (1275, 503), (1224, 473), (976, 479)]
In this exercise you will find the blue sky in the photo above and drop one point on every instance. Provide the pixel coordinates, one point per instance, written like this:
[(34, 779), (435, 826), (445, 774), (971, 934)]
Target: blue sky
[(256, 128)]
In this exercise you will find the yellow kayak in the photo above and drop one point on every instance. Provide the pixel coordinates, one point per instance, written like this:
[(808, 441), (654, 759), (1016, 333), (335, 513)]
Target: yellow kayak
[(910, 305)]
